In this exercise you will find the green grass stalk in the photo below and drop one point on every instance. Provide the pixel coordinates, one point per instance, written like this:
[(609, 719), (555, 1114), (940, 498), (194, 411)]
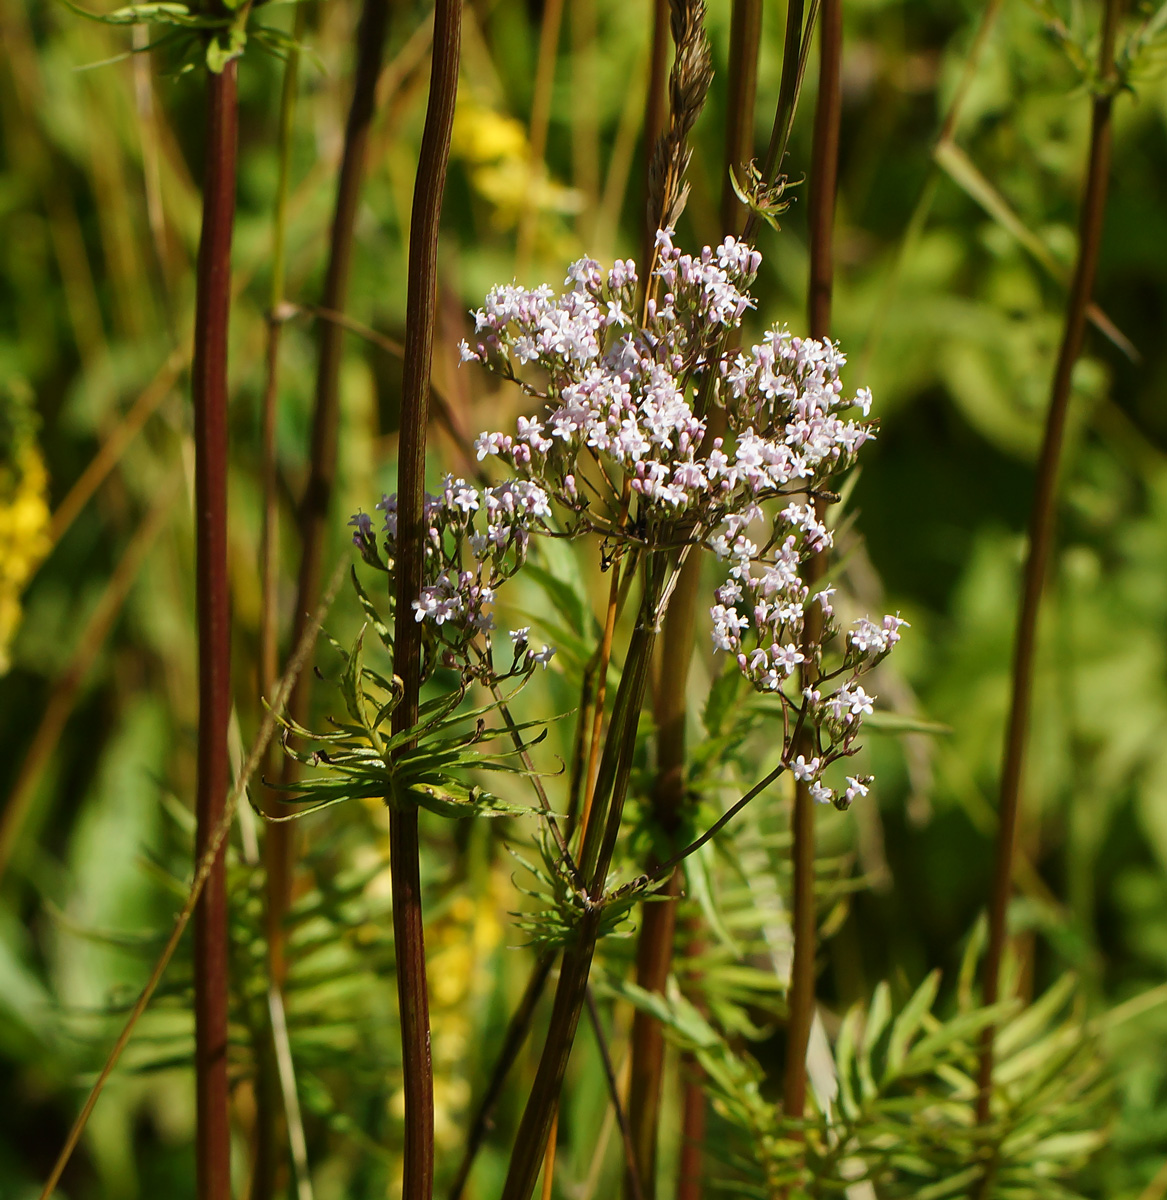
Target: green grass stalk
[(408, 930), (1041, 533), (209, 388), (270, 1148)]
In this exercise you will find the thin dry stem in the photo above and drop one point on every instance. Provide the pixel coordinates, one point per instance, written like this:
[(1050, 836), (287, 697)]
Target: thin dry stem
[(823, 186), (540, 120), (1041, 533), (203, 868)]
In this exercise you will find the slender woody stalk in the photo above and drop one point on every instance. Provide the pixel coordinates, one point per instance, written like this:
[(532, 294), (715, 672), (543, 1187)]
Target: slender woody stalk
[(316, 502), (1041, 530), (658, 920), (823, 187), (408, 930), (209, 389)]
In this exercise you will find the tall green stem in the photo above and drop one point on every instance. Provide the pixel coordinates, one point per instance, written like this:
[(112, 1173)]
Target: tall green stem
[(408, 930), (209, 389), (1041, 530)]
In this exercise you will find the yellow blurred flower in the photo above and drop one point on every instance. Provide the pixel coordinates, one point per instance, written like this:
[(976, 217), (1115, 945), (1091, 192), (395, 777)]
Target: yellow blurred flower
[(497, 157), (24, 519)]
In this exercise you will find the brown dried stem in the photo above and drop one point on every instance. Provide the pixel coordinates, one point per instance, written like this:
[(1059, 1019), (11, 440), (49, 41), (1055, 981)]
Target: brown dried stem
[(66, 689)]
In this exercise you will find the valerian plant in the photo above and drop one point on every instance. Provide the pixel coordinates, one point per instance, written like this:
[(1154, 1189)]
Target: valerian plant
[(618, 450)]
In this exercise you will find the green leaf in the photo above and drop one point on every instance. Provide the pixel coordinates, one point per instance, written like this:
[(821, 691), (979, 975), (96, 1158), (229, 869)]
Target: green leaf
[(350, 680), (374, 617), (450, 800), (908, 1023)]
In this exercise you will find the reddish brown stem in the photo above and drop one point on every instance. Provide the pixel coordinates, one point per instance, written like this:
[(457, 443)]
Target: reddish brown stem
[(823, 184), (654, 950), (692, 1131), (655, 945), (209, 388), (1041, 531), (408, 930)]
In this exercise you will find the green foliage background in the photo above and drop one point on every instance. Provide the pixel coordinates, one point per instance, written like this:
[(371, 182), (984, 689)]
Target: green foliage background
[(948, 302)]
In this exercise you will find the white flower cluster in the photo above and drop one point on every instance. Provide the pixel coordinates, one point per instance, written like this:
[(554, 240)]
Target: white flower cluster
[(621, 447), (475, 541), (625, 396)]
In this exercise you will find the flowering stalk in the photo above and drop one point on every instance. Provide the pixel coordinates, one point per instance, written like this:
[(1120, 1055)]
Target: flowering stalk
[(1041, 528), (408, 929), (209, 389), (619, 407), (823, 185)]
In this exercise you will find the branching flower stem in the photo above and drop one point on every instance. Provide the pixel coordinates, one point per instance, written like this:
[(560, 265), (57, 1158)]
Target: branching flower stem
[(823, 187), (1041, 529), (209, 388), (594, 859), (408, 931)]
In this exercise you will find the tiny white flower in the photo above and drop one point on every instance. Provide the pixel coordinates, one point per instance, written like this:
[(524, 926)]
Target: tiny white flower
[(804, 770)]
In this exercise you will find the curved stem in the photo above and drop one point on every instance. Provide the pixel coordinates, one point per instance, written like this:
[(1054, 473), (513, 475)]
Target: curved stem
[(823, 186), (1041, 529), (408, 930)]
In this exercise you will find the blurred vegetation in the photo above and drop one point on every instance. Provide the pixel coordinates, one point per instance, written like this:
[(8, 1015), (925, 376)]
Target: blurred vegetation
[(954, 241)]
